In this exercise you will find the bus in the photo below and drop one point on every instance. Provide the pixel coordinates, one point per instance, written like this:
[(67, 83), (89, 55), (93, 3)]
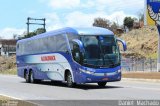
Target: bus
[(71, 55)]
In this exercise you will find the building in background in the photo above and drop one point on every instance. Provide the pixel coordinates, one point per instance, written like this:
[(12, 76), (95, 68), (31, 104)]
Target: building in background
[(7, 47)]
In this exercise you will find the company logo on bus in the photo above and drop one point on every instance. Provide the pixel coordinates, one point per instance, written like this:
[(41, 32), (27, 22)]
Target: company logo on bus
[(48, 58)]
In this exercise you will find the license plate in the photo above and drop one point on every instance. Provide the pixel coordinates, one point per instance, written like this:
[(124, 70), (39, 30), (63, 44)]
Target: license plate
[(104, 79)]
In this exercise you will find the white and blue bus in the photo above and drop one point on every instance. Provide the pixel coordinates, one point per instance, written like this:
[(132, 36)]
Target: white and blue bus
[(71, 55)]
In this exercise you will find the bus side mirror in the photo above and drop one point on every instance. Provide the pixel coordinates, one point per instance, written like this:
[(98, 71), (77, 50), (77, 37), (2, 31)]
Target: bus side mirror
[(80, 44), (123, 43)]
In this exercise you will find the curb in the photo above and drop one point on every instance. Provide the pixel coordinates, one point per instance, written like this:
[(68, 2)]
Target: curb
[(141, 80)]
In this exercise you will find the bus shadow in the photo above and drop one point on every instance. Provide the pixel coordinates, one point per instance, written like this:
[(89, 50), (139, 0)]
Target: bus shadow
[(78, 86), (92, 87)]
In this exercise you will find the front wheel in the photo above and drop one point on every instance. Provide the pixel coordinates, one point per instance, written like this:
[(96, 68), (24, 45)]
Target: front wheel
[(70, 82), (102, 84)]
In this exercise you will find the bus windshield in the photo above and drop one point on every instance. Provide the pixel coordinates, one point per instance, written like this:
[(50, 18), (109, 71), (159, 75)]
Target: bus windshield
[(100, 51)]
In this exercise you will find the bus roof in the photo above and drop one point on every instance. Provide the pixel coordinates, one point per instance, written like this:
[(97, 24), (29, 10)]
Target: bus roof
[(77, 31)]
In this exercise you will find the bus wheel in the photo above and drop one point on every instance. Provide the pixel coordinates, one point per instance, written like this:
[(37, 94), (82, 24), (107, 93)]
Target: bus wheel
[(102, 84), (69, 80), (26, 75), (31, 78)]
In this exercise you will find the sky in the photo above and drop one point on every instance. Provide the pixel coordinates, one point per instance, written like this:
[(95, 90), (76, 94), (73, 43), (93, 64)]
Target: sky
[(62, 13)]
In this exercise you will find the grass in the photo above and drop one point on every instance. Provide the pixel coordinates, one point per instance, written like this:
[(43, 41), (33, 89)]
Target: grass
[(6, 101), (4, 98), (9, 71), (152, 56), (142, 42)]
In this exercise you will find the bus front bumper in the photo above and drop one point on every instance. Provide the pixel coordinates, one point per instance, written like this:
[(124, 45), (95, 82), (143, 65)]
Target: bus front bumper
[(90, 77)]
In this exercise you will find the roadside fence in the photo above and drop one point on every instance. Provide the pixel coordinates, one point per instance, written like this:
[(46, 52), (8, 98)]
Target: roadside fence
[(129, 64)]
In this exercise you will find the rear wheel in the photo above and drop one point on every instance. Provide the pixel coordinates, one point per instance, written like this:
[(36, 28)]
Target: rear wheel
[(32, 79), (102, 84), (26, 76), (69, 80)]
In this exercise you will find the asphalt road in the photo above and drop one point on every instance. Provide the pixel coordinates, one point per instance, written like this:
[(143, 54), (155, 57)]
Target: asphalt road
[(16, 87)]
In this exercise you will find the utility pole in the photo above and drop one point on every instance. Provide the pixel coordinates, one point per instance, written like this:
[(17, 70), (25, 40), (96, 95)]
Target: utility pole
[(35, 19)]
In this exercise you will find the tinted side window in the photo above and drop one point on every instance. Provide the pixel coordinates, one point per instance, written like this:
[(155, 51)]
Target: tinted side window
[(61, 43), (43, 45), (52, 43), (70, 38)]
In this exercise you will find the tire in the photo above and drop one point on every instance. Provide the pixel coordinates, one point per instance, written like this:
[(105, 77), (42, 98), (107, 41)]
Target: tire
[(69, 80), (102, 84), (26, 76), (31, 77)]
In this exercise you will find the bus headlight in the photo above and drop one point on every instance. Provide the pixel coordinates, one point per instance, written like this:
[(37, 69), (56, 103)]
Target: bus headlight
[(85, 71), (118, 71)]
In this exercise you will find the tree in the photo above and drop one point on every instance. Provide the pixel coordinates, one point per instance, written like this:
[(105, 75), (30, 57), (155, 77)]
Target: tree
[(30, 34), (135, 19), (114, 26), (102, 22), (36, 32), (140, 14), (16, 36), (128, 21), (40, 30)]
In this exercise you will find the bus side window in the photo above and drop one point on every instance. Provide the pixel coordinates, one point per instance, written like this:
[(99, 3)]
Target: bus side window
[(52, 44), (61, 43)]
